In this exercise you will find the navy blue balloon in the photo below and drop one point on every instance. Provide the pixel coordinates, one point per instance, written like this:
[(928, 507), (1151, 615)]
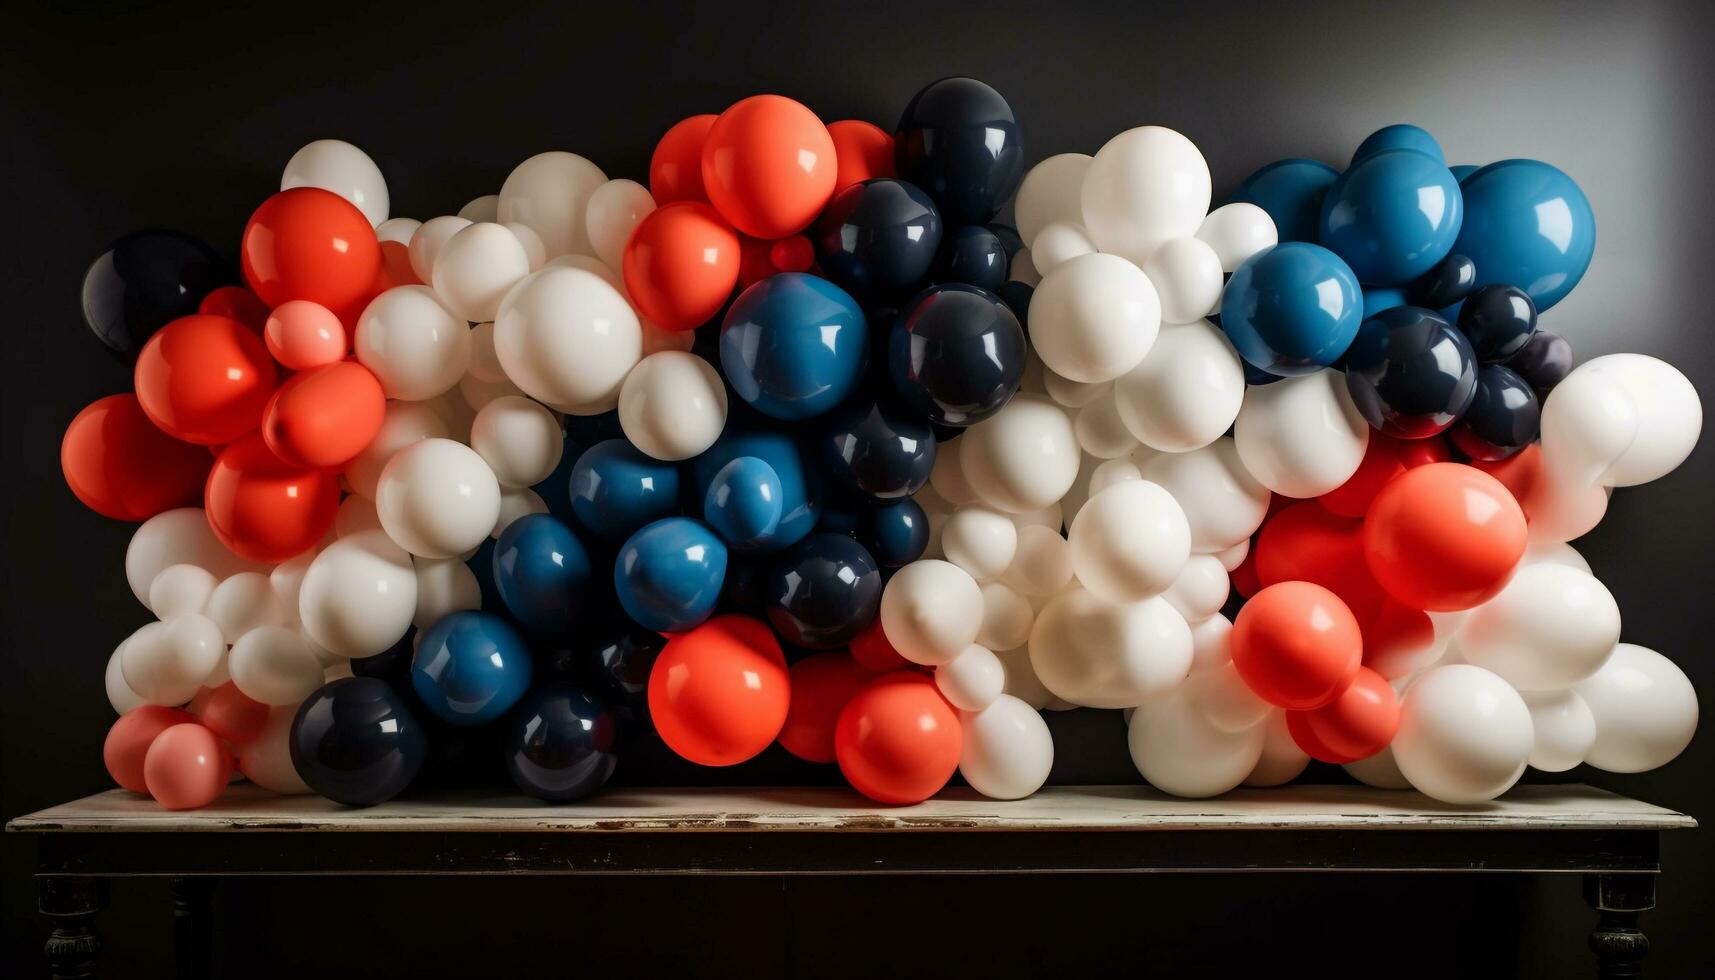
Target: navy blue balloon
[(792, 345), (840, 520), (1400, 136), (1528, 225), (542, 573), (1382, 298), (1392, 216), (1503, 418), (615, 489), (974, 256), (1291, 191), (470, 668), (956, 354), (959, 140), (822, 591), (619, 662), (560, 744), (878, 239), (1411, 373), (1544, 362), (1009, 239), (391, 664), (896, 533), (1498, 321), (874, 447), (1446, 284), (745, 502), (800, 491), (356, 742), (1016, 295), (1292, 308), (669, 574), (146, 280)]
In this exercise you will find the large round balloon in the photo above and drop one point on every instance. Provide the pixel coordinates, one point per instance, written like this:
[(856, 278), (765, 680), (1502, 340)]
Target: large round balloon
[(560, 744), (1296, 645), (956, 354), (959, 140), (800, 494), (1527, 225), (204, 379), (307, 243), (1503, 417), (878, 239), (1392, 216), (325, 416), (874, 447), (669, 574), (1145, 187), (898, 740), (1443, 537), (822, 591), (542, 573), (792, 345), (356, 742), (1291, 191), (615, 489), (863, 150), (470, 668), (768, 166), (121, 466), (146, 280), (676, 166), (264, 508), (681, 264), (719, 693), (1410, 372), (1292, 309)]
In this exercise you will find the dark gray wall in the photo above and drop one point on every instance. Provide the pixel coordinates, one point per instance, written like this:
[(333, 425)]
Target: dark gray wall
[(183, 117)]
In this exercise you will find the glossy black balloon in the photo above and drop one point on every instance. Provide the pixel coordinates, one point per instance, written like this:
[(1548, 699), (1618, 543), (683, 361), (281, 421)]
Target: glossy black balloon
[(620, 661), (1449, 281), (357, 742), (1410, 372), (1503, 418), (823, 591), (1544, 362), (1016, 295), (560, 744), (972, 255), (875, 447), (878, 239), (1498, 320), (959, 140), (1009, 239), (957, 354), (896, 533), (145, 281)]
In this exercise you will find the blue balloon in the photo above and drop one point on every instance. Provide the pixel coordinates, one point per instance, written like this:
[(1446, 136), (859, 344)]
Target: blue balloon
[(560, 744), (1257, 376), (822, 591), (1463, 170), (615, 489), (973, 255), (1527, 225), (1410, 372), (1400, 136), (800, 494), (874, 448), (542, 573), (470, 668), (1503, 417), (896, 533), (1291, 191), (956, 354), (1382, 298), (959, 140), (669, 574), (792, 345), (1393, 216), (356, 742), (1292, 309), (1009, 239), (839, 520), (744, 502), (878, 239)]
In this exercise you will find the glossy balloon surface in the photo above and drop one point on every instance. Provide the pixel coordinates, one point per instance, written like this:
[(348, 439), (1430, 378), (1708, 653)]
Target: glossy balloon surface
[(1499, 320), (956, 354), (1448, 282), (1529, 225), (973, 255), (669, 574), (822, 591), (681, 264), (560, 744), (307, 243), (1292, 309), (769, 166), (121, 466), (895, 533), (1392, 216), (878, 239), (874, 447), (264, 508), (205, 379), (146, 280), (1410, 372), (1503, 417), (1291, 191), (616, 489), (745, 503), (1544, 361), (720, 692), (800, 496), (959, 140), (898, 740), (356, 742), (1399, 136), (542, 572), (470, 668), (792, 345)]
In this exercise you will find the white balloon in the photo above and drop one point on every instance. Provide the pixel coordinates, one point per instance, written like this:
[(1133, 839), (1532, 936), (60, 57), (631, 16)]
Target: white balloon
[(1281, 760), (1042, 563), (397, 230), (948, 475), (1210, 647), (972, 680), (519, 439), (550, 192), (1105, 655), (1111, 472), (415, 346), (1225, 700), (1223, 503), (243, 603), (1551, 627), (178, 537), (1464, 734), (355, 514), (531, 241), (1021, 680), (1007, 751), (590, 263), (516, 502), (266, 760), (1179, 752), (1233, 557), (981, 541), (1236, 232), (1379, 770), (286, 580), (404, 424), (1201, 588), (273, 665), (1024, 457), (1564, 726), (567, 338), (444, 586), (1303, 436), (428, 240), (1556, 553), (1072, 394), (337, 166), (1186, 393), (476, 268), (1007, 617), (1022, 269), (1052, 191), (165, 663), (359, 596), (1099, 429), (1645, 710), (1129, 542), (615, 210), (1145, 187), (437, 498), (1093, 318), (1644, 425), (1057, 243), (931, 611), (180, 590), (481, 209), (477, 394), (673, 405), (119, 693), (1187, 277), (1049, 517)]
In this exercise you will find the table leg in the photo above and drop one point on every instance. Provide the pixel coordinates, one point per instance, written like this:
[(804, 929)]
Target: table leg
[(71, 903), (193, 940), (1620, 946)]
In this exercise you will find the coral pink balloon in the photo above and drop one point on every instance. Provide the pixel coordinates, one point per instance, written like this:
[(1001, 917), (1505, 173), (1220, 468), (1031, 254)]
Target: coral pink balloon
[(302, 334), (129, 739), (186, 767), (229, 713)]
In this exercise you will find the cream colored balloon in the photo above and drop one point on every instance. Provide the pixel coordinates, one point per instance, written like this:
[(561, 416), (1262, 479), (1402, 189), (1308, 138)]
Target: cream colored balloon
[(931, 611), (567, 338), (1051, 191), (980, 540), (1094, 317), (413, 344), (1057, 243), (1180, 753), (1146, 186), (550, 192), (1024, 458), (1186, 393), (615, 210), (673, 405), (1099, 429), (1105, 655), (519, 439), (1130, 542), (428, 240), (972, 680), (273, 665), (484, 208), (403, 424), (338, 166), (1303, 436), (1237, 231), (1007, 751), (1187, 277), (1282, 760), (1007, 617), (476, 267), (1041, 564)]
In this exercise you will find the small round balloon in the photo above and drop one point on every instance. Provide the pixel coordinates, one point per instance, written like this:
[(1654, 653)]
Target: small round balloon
[(719, 692), (560, 744), (1503, 417), (898, 740), (1296, 645), (1544, 362), (1292, 309), (873, 447), (957, 354), (470, 668), (1410, 372), (1291, 191), (676, 166), (307, 243), (146, 280), (1392, 216), (1499, 320), (1399, 136), (669, 574), (973, 255), (1448, 282), (325, 416), (681, 264), (542, 573), (792, 346), (800, 493), (862, 149), (615, 489), (822, 591), (896, 533), (356, 742), (822, 684), (744, 503)]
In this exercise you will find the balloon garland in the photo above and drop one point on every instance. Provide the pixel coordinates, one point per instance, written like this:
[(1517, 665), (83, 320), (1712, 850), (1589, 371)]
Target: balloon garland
[(797, 443)]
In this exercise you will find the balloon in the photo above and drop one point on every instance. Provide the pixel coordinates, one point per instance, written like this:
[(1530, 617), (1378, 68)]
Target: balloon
[(1236, 232), (792, 346), (895, 533), (186, 767), (146, 280), (615, 489), (956, 354), (672, 405), (476, 267), (1544, 362), (1564, 729), (1443, 537), (1007, 751), (676, 166), (1129, 542), (273, 665), (325, 416), (568, 339), (437, 498), (1549, 628), (862, 151), (470, 668), (1292, 192), (416, 347), (1384, 459), (1007, 617), (1645, 710), (980, 540), (204, 379), (1094, 318), (1305, 543), (129, 739), (1296, 645), (959, 140), (428, 240), (1527, 225), (972, 680), (301, 335), (1358, 723), (878, 239), (615, 210), (931, 611), (1503, 417), (264, 508), (1282, 760), (356, 742), (242, 603), (1186, 273), (358, 596), (1399, 136), (235, 303), (121, 466), (180, 590), (681, 264), (1101, 655), (1498, 320), (1464, 735), (165, 663), (1291, 309), (974, 256), (822, 591), (1145, 187), (1447, 283), (800, 504), (1201, 589), (1024, 458), (1302, 437), (1179, 752), (180, 536), (542, 573), (1668, 412), (550, 194), (1051, 192), (1223, 503), (560, 744), (897, 740), (1392, 216), (822, 684), (337, 166), (229, 714), (1186, 392), (872, 447), (402, 424), (768, 166), (444, 585), (518, 439), (266, 758), (669, 574), (719, 693), (307, 243), (1410, 373)]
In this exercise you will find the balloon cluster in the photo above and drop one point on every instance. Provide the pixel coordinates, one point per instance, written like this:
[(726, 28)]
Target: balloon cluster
[(798, 444)]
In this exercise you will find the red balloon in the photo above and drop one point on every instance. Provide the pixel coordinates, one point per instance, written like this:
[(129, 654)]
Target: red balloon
[(794, 254), (186, 767), (1381, 463), (1520, 473), (874, 653), (1244, 578), (676, 167), (719, 693), (205, 379), (1305, 543), (822, 684), (862, 150), (769, 166), (1393, 629), (395, 269), (237, 303), (1298, 726), (755, 261), (1444, 537), (1357, 724), (1296, 645), (307, 243), (121, 466), (229, 713), (264, 508), (324, 416), (129, 739), (681, 265), (898, 740)]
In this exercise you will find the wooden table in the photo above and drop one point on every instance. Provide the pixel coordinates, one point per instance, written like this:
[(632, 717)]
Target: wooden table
[(1610, 840)]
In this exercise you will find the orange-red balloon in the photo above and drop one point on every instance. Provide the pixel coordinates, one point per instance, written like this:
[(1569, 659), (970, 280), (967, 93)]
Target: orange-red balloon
[(719, 693), (121, 466), (822, 684), (898, 740), (1444, 537), (1520, 473), (236, 302), (862, 150), (324, 416), (395, 269), (186, 767), (676, 166), (1305, 543), (1380, 464), (264, 508), (1357, 724), (307, 243), (681, 265), (204, 379), (1296, 645), (874, 653), (1298, 726), (128, 742), (769, 166), (1393, 628), (229, 713)]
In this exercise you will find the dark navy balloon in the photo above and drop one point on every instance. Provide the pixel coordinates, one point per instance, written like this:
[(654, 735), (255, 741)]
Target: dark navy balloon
[(1392, 216), (878, 239), (1291, 191), (145, 281), (743, 586), (822, 591), (356, 742), (1016, 295), (1257, 376), (391, 664), (1008, 237), (615, 489), (841, 520), (1410, 372), (1448, 282), (875, 447), (800, 493), (959, 140), (1498, 321), (1292, 308), (1502, 419), (619, 663), (1544, 362), (669, 574), (792, 345), (956, 354), (745, 502), (972, 255), (560, 744), (470, 668), (1527, 225), (542, 573), (896, 533), (1400, 136)]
